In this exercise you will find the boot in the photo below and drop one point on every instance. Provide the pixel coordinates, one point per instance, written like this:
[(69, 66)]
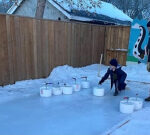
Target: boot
[(116, 93), (148, 66), (147, 99)]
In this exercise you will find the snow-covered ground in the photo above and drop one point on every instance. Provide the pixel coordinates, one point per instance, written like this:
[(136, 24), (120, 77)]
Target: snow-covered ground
[(24, 112)]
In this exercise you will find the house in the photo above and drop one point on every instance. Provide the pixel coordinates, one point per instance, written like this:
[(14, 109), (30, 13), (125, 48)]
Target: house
[(65, 10)]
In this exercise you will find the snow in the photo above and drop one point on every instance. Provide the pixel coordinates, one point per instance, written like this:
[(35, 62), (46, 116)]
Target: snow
[(24, 112), (137, 124), (95, 6), (123, 50)]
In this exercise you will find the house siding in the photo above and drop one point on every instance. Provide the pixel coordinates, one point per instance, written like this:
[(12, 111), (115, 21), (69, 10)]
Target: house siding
[(28, 8)]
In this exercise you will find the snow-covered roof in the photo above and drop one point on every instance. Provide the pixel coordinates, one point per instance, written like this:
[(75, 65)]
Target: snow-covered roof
[(94, 6), (89, 10)]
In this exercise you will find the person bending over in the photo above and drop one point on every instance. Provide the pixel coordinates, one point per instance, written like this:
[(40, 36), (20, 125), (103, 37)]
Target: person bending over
[(117, 76)]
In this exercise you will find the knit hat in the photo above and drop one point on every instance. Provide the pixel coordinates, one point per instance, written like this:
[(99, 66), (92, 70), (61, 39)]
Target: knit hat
[(113, 62)]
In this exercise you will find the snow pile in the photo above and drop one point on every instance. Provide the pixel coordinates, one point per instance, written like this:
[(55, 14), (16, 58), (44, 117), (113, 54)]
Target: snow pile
[(94, 6), (137, 72), (65, 73)]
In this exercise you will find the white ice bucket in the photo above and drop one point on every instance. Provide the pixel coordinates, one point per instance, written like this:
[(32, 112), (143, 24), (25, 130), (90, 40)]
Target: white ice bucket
[(76, 87), (67, 90), (85, 84), (138, 102), (57, 91), (98, 91), (126, 106), (45, 91)]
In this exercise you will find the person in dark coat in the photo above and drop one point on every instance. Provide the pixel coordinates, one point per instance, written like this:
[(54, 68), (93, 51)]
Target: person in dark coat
[(117, 76), (148, 61)]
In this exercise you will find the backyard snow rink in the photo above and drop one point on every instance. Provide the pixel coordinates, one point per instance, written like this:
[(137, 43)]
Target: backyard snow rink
[(24, 112)]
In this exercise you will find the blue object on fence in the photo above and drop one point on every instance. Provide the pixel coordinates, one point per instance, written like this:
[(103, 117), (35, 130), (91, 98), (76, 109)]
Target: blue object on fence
[(138, 41)]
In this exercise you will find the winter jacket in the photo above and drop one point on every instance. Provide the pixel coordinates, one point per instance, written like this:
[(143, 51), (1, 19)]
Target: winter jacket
[(148, 53), (118, 76), (148, 48)]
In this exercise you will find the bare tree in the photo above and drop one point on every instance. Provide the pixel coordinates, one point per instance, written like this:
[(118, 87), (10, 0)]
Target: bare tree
[(40, 8), (137, 8), (81, 4), (133, 8)]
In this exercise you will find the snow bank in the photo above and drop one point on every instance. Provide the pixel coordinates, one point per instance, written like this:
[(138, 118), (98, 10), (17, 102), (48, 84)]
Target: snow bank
[(137, 72)]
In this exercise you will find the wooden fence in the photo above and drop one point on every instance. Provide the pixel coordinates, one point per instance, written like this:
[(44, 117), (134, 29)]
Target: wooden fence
[(116, 44), (31, 48)]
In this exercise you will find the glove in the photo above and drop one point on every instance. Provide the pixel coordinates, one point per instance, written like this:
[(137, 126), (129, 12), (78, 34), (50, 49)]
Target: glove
[(100, 82)]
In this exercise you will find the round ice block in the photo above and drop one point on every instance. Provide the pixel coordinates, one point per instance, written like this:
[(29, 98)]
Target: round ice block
[(138, 102), (57, 91), (67, 90), (45, 91), (85, 84), (76, 87), (98, 91), (126, 107)]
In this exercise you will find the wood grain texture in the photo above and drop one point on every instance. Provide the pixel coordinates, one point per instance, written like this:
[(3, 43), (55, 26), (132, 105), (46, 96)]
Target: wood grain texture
[(30, 48)]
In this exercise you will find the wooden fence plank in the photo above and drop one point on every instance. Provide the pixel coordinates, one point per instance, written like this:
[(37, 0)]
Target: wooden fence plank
[(98, 43), (76, 45), (29, 49), (39, 48), (51, 44), (69, 42), (34, 51), (44, 46), (59, 38), (4, 62), (11, 44)]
